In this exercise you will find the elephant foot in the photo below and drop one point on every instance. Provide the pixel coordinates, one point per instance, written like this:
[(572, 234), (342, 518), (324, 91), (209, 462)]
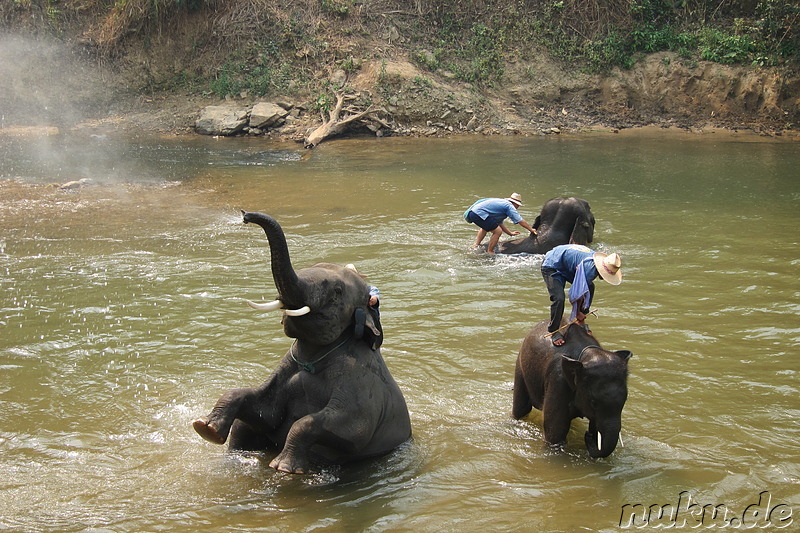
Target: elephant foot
[(288, 464), (207, 431)]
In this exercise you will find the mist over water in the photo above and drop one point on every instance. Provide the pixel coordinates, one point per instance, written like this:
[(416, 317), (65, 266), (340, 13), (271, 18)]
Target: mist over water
[(122, 320), (47, 83)]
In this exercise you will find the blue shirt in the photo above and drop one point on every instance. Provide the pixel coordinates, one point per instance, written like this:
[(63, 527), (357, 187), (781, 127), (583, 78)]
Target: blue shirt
[(497, 209), (569, 260), (566, 258), (373, 291)]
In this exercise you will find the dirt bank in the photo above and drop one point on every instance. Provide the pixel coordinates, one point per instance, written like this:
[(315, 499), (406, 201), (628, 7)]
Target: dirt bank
[(49, 85), (661, 91)]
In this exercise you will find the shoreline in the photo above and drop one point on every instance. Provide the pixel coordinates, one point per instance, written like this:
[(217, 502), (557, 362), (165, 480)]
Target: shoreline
[(117, 126), (175, 115)]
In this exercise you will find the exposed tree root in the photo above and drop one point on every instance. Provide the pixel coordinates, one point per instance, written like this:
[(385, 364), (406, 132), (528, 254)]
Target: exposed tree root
[(341, 119)]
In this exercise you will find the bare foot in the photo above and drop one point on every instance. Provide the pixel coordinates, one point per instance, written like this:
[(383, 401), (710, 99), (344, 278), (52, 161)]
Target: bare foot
[(558, 339)]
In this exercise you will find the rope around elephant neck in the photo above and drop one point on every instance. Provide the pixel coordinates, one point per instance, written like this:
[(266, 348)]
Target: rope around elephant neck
[(309, 367), (580, 355)]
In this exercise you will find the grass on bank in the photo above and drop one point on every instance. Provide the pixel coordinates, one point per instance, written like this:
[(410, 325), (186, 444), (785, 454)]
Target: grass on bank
[(262, 47)]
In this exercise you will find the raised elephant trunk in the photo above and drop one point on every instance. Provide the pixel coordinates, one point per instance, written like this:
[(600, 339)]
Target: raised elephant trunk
[(286, 280)]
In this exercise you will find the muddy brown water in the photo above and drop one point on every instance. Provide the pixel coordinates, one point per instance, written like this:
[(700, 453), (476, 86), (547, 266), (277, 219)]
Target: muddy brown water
[(122, 319)]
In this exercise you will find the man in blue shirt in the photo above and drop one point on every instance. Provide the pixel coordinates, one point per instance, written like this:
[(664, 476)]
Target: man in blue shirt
[(488, 214), (580, 266)]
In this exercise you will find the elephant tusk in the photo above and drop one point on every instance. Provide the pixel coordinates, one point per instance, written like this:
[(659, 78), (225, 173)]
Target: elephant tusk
[(298, 312), (620, 441), (268, 306), (599, 442)]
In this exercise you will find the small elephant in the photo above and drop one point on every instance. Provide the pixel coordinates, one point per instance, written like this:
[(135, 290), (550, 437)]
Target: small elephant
[(561, 221), (331, 398), (577, 379)]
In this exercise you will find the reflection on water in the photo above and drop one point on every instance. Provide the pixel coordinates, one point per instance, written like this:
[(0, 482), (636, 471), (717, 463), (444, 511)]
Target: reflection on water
[(122, 320)]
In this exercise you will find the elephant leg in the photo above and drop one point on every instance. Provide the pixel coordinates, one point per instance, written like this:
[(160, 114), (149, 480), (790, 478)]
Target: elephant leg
[(522, 404), (294, 457), (216, 426), (246, 438), (333, 428), (557, 420)]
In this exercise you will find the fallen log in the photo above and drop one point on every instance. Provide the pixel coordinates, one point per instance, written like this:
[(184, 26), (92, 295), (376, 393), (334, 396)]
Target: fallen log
[(339, 121)]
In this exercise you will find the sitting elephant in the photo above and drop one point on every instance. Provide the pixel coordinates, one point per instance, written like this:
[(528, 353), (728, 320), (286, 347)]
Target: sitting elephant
[(561, 221), (577, 379), (331, 397)]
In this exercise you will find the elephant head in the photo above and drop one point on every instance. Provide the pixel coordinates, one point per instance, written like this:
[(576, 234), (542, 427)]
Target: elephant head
[(598, 379), (320, 303)]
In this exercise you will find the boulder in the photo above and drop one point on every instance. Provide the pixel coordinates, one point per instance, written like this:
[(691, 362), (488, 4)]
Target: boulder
[(221, 120), (267, 115)]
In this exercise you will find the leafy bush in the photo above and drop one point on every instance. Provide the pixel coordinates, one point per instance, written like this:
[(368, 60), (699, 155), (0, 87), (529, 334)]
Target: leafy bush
[(722, 47)]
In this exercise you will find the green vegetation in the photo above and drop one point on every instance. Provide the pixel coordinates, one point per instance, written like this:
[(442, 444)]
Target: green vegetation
[(766, 33), (258, 74), (264, 46)]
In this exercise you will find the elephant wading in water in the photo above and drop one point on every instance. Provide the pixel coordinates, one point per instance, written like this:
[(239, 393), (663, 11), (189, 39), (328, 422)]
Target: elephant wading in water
[(331, 398), (561, 221), (577, 379)]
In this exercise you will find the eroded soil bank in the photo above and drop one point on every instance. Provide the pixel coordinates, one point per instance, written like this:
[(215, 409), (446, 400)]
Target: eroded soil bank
[(46, 85)]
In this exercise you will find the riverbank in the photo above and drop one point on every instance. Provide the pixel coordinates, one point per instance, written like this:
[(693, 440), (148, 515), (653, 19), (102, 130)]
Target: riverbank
[(173, 115), (537, 97), (422, 72)]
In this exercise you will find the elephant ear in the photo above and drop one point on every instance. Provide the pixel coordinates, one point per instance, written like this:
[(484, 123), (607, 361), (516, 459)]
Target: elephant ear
[(624, 354), (572, 369), (368, 328)]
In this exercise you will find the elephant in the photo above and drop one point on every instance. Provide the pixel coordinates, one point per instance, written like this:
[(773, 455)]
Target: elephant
[(562, 220), (577, 379), (331, 399)]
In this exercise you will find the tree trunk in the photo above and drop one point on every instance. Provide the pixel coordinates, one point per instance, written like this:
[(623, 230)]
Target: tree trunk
[(335, 124)]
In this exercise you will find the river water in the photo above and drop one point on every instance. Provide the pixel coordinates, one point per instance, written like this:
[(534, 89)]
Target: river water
[(122, 320)]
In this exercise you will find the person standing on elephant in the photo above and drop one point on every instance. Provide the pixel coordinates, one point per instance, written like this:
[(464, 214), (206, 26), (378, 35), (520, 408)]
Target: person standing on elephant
[(578, 265), (490, 213)]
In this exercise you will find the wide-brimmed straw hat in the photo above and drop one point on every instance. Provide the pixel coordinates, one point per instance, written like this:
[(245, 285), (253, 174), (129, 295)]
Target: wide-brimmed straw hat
[(516, 198), (609, 267)]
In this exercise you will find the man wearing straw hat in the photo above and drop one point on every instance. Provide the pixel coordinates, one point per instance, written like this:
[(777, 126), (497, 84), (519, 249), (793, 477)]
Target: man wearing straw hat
[(580, 266), (490, 213)]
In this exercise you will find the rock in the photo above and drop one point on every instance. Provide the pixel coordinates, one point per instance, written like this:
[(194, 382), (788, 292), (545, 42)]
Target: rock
[(76, 184), (267, 115), (338, 79), (221, 120), (428, 58)]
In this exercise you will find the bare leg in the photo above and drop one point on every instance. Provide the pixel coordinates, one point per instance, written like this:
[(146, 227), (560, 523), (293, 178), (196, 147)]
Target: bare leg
[(480, 237), (493, 240)]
